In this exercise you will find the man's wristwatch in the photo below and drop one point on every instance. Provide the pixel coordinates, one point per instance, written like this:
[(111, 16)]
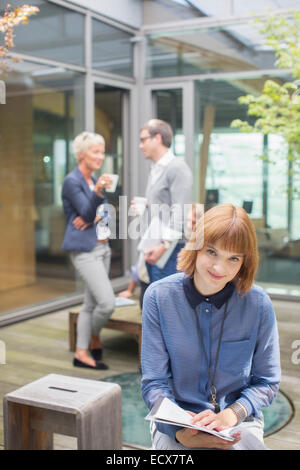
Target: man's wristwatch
[(166, 244)]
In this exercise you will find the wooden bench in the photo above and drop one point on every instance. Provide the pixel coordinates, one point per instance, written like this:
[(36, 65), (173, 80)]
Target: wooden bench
[(127, 319)]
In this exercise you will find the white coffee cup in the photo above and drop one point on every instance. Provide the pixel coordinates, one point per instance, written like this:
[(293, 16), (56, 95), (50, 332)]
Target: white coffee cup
[(113, 186), (140, 204)]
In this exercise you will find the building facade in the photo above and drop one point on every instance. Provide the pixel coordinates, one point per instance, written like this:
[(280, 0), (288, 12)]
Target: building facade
[(108, 69)]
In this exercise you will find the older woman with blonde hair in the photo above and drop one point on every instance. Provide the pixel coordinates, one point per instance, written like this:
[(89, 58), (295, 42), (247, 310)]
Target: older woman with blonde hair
[(210, 341), (87, 240)]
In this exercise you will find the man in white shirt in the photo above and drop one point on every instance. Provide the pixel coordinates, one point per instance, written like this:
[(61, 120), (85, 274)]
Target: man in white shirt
[(170, 185)]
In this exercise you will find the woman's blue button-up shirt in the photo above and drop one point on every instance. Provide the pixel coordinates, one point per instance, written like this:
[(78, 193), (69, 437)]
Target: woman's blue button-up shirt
[(173, 363)]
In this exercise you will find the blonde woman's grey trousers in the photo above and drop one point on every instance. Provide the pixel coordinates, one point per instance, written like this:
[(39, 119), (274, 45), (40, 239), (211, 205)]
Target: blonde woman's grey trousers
[(99, 298)]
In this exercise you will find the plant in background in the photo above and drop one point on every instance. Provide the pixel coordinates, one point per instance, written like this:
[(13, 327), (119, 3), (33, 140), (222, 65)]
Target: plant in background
[(8, 21), (277, 109)]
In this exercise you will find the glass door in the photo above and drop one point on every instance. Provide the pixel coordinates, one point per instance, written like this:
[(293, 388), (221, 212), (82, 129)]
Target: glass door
[(168, 107), (110, 112), (175, 104), (35, 159)]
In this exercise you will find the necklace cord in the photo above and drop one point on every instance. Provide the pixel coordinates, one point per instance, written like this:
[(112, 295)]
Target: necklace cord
[(212, 388)]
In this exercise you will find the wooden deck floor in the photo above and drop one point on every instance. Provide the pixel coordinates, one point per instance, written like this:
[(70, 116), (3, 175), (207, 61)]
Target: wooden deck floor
[(38, 347)]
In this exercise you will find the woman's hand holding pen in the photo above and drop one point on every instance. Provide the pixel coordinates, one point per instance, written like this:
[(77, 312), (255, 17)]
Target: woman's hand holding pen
[(204, 440), (194, 438), (219, 421)]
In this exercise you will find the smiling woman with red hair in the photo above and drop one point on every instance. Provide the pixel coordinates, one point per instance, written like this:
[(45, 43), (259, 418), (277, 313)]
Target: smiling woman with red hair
[(210, 340), (233, 230)]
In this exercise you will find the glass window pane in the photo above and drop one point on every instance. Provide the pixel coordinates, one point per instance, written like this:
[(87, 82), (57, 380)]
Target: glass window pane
[(296, 222), (108, 123), (234, 48), (230, 154), (169, 109), (112, 49), (54, 33), (43, 112), (277, 183), (221, 8), (235, 174)]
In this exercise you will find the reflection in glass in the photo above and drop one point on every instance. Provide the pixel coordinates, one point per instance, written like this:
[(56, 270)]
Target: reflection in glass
[(55, 33), (169, 108), (221, 8), (235, 48), (235, 173), (230, 154), (41, 116), (108, 123), (112, 49), (277, 182)]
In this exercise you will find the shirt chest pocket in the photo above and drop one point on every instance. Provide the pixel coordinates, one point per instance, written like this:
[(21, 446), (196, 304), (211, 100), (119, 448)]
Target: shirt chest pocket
[(236, 357)]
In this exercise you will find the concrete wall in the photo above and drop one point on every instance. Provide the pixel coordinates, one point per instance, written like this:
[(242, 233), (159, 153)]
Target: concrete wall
[(129, 12)]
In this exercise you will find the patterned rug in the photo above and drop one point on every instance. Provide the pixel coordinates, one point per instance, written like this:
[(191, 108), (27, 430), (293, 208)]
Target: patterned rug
[(134, 410)]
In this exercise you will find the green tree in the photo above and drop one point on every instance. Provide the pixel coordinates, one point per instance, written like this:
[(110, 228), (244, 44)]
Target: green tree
[(276, 110)]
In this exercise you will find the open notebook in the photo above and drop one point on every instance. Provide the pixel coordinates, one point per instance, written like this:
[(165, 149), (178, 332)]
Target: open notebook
[(166, 411)]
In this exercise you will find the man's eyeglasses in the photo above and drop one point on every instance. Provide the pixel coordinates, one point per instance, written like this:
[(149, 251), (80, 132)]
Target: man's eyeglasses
[(143, 139)]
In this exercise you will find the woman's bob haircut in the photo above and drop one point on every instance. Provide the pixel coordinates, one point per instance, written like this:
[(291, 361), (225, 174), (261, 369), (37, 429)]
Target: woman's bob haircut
[(233, 229), (83, 141)]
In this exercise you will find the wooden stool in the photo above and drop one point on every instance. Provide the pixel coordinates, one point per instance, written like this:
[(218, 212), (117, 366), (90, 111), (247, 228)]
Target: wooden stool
[(87, 409), (128, 320)]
